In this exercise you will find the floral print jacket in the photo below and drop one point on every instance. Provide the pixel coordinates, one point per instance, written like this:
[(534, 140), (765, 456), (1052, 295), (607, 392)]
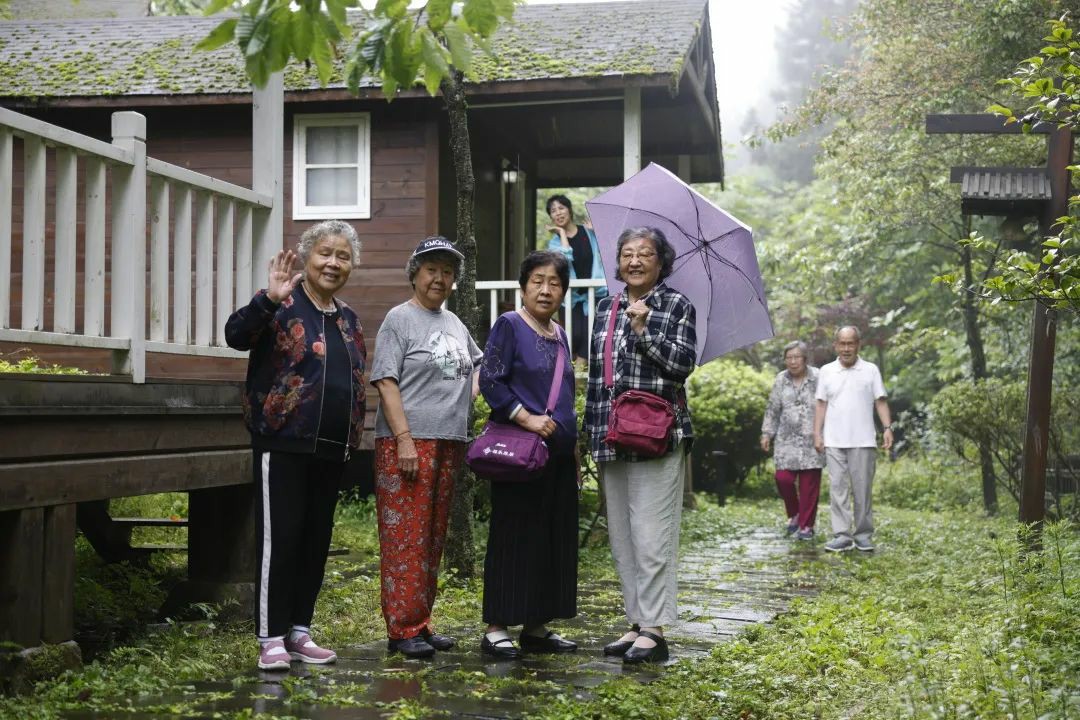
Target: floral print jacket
[(286, 365)]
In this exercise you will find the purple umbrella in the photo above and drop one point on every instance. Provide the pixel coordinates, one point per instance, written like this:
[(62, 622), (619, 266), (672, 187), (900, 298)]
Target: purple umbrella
[(715, 266)]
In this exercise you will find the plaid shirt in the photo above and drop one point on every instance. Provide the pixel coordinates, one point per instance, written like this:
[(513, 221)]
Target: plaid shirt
[(657, 361)]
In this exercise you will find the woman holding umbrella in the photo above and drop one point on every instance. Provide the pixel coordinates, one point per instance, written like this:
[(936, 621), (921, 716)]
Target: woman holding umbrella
[(653, 347)]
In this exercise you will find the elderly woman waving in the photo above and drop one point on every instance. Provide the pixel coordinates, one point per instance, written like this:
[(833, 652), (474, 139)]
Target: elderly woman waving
[(304, 405), (530, 571), (789, 418), (647, 334), (424, 371)]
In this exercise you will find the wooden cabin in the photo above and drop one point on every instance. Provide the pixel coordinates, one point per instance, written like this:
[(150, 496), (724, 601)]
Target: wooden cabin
[(143, 185)]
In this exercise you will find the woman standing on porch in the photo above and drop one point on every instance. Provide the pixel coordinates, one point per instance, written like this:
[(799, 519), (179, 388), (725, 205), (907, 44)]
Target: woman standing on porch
[(424, 371), (578, 244), (304, 405)]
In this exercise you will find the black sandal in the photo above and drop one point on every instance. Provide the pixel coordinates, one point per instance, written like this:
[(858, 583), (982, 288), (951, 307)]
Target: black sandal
[(658, 653), (498, 650), (619, 647)]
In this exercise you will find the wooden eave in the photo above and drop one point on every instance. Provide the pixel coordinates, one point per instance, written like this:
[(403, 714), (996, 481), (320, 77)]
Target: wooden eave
[(522, 88)]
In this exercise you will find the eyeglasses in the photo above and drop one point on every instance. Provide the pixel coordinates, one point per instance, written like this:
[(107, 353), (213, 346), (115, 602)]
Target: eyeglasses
[(644, 256)]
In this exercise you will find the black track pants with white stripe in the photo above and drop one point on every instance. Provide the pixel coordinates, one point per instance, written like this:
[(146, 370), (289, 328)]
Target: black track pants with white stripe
[(296, 495)]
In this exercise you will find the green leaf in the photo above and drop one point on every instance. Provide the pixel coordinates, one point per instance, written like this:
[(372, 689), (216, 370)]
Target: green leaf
[(458, 43), (260, 35), (403, 54), (302, 31), (216, 6), (321, 54), (481, 16), (395, 9), (439, 12), (1000, 110), (220, 35), (434, 54)]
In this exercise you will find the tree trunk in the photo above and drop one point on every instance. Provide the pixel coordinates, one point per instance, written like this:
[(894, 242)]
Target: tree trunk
[(460, 552), (978, 372)]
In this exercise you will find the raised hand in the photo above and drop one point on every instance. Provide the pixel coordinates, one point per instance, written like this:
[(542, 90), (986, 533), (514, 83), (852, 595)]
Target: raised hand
[(280, 282)]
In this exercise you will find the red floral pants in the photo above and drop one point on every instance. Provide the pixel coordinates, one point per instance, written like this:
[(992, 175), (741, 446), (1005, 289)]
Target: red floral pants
[(413, 515)]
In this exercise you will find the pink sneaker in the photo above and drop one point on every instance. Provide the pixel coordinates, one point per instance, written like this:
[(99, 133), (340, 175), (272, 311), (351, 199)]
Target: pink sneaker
[(305, 650), (273, 656)]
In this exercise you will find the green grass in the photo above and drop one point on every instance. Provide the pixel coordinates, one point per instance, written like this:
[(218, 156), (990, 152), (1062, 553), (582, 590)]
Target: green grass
[(949, 619)]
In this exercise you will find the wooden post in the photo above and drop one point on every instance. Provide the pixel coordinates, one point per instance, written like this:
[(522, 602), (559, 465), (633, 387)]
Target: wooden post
[(65, 222), (267, 172), (94, 250), (33, 273), (128, 315), (159, 259), (21, 558), (58, 576), (1043, 337), (5, 227), (631, 131)]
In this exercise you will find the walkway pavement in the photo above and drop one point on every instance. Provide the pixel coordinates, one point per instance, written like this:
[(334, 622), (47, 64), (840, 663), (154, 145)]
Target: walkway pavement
[(726, 585)]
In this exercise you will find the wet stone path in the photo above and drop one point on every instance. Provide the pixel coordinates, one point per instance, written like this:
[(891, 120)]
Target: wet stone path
[(725, 586)]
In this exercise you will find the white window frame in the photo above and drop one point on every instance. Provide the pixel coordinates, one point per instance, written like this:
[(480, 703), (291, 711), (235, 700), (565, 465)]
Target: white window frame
[(362, 208)]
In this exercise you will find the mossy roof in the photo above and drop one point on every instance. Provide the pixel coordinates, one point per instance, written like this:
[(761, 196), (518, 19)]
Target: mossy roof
[(156, 55)]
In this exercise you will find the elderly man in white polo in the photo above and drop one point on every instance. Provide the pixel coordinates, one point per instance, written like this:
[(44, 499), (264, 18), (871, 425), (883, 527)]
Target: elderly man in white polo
[(849, 390)]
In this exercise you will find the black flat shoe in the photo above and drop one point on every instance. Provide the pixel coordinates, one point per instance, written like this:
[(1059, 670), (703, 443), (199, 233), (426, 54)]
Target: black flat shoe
[(619, 647), (636, 655), (414, 647), (437, 641), (502, 649), (550, 643)]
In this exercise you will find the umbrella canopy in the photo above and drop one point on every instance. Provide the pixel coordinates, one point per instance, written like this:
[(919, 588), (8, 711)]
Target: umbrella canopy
[(716, 266)]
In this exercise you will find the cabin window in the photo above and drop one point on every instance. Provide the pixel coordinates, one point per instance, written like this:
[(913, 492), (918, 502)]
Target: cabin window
[(332, 166)]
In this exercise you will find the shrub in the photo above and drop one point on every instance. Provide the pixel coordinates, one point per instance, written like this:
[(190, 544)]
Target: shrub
[(727, 401), (994, 409)]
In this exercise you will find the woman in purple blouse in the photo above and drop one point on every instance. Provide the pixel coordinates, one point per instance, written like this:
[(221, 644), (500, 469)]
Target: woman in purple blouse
[(530, 571)]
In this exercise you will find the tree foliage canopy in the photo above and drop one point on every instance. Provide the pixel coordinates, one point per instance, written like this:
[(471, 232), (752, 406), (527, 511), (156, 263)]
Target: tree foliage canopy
[(398, 45)]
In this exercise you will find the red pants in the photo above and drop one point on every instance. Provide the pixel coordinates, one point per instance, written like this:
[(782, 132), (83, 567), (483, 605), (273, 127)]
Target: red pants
[(801, 505), (412, 529)]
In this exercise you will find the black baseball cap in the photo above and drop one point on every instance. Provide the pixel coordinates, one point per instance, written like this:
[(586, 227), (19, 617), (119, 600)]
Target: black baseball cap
[(438, 242)]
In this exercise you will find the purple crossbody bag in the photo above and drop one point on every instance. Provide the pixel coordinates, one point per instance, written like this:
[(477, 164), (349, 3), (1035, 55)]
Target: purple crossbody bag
[(507, 452)]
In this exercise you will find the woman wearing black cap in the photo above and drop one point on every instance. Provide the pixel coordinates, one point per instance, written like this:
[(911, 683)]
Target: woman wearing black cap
[(424, 371)]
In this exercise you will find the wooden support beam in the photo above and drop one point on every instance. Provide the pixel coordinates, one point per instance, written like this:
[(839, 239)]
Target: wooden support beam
[(1043, 339), (28, 485), (982, 124), (631, 131), (21, 567), (58, 575), (697, 83)]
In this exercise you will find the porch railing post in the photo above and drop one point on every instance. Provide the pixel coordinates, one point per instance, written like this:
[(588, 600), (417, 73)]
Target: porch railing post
[(33, 266), (128, 299), (267, 170), (5, 227)]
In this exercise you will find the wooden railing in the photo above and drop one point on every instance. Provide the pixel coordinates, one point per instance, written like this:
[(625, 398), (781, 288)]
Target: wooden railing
[(223, 223), (502, 288)]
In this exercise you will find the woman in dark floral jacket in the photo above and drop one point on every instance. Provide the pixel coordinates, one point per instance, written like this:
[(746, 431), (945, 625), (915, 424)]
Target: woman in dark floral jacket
[(304, 406)]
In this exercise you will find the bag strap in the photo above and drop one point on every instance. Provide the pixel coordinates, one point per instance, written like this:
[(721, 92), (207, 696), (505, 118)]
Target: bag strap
[(556, 382), (609, 339)]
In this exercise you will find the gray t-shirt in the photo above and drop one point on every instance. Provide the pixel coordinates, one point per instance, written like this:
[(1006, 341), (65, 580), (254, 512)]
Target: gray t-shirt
[(431, 355)]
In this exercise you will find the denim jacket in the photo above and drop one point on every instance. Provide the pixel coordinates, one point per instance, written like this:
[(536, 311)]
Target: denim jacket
[(285, 376)]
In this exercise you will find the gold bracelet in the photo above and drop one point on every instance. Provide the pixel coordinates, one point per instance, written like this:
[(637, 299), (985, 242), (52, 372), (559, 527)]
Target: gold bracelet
[(400, 434)]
